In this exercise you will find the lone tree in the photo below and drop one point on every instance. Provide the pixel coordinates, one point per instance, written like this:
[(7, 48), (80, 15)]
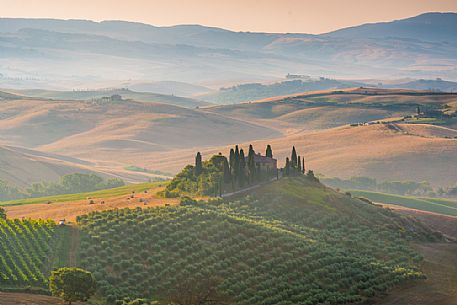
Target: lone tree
[(269, 152), (303, 165), (198, 164), (72, 284)]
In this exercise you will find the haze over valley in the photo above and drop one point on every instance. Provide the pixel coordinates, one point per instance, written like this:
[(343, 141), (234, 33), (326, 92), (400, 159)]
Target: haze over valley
[(190, 164)]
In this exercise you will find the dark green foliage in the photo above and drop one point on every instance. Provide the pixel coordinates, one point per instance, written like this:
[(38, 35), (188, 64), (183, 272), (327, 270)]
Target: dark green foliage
[(251, 165), (2, 213), (186, 200), (8, 192), (25, 246), (311, 176), (294, 166), (293, 158), (269, 152), (227, 174), (287, 167), (232, 161), (236, 169), (72, 284), (207, 183), (299, 168), (73, 183), (291, 242), (198, 164), (392, 187), (242, 175)]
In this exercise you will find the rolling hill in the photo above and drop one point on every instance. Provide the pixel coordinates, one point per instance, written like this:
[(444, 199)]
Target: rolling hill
[(22, 167), (125, 93), (418, 47), (332, 108), (105, 136), (112, 135), (426, 27), (376, 151), (298, 228)]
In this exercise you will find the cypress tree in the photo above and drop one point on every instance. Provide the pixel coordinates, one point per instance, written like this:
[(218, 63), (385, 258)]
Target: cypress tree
[(198, 164), (232, 159), (269, 152), (303, 164), (299, 165), (227, 175), (242, 174), (287, 167), (293, 158), (237, 163), (251, 164)]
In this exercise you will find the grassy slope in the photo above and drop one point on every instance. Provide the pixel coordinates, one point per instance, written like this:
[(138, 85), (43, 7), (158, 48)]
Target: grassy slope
[(123, 190), (283, 243), (435, 205)]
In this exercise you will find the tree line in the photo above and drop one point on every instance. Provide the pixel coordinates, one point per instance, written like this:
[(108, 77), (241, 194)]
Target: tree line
[(68, 184), (237, 171), (408, 188)]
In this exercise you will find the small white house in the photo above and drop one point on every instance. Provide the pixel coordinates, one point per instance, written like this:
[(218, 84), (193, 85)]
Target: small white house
[(62, 222)]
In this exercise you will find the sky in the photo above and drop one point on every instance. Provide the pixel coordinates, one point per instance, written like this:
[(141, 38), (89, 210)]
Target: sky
[(285, 16)]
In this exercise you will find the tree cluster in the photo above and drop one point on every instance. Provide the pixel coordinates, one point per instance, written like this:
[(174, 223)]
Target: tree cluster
[(68, 184), (219, 174), (72, 284), (294, 166)]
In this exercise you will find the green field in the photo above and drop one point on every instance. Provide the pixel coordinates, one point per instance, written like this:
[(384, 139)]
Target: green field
[(435, 205), (293, 241), (118, 191)]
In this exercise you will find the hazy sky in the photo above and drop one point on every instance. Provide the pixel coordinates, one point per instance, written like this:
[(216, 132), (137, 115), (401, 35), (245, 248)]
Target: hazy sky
[(306, 16)]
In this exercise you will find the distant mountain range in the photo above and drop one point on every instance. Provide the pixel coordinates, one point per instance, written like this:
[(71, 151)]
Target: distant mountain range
[(64, 54)]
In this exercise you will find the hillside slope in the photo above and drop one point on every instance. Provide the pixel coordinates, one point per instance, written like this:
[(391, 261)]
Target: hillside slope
[(97, 94), (22, 167), (80, 128), (290, 242), (332, 108), (377, 151)]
